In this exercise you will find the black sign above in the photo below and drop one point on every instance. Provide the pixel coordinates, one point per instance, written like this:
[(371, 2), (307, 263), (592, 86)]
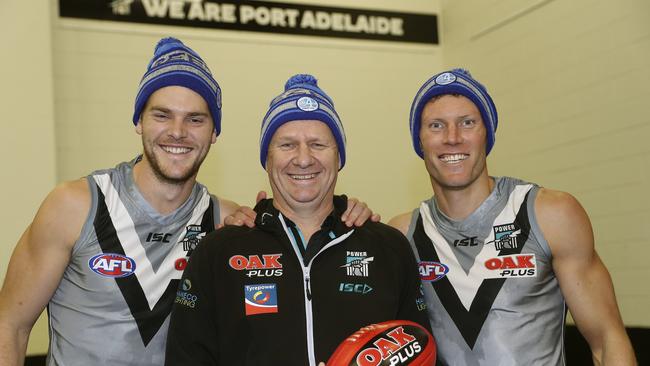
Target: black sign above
[(262, 16)]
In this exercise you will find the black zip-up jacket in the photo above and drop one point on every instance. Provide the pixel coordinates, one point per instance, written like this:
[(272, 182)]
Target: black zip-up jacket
[(247, 297)]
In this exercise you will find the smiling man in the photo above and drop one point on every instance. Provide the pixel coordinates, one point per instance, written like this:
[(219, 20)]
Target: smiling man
[(500, 258), (105, 252), (288, 291)]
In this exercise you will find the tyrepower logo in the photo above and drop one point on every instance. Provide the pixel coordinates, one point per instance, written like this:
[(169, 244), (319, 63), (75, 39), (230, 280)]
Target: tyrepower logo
[(432, 271), (261, 299), (268, 265), (516, 265), (112, 265)]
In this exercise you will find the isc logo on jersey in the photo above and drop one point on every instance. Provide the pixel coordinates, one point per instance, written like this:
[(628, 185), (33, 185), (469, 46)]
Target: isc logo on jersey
[(267, 266), (432, 271), (516, 265), (112, 265)]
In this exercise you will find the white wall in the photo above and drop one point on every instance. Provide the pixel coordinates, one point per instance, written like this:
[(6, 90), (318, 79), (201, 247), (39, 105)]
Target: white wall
[(26, 102), (570, 80)]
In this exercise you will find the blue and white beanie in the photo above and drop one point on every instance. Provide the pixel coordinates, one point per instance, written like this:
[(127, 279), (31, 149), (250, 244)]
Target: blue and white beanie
[(455, 81), (302, 100), (174, 63)]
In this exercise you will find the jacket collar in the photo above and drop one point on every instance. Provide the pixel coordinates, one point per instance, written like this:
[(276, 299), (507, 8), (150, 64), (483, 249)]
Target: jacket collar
[(268, 217)]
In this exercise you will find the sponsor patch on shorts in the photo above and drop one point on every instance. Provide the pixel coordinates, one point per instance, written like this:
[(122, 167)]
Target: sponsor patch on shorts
[(260, 299)]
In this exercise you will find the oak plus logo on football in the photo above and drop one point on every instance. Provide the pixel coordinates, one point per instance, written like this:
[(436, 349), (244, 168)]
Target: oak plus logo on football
[(266, 265), (398, 347), (516, 265)]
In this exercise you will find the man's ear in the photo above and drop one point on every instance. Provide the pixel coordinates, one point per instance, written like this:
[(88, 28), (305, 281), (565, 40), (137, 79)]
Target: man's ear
[(214, 136), (138, 127)]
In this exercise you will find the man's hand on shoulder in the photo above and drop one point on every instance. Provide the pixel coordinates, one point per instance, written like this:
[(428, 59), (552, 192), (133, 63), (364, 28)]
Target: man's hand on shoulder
[(241, 215), (358, 213)]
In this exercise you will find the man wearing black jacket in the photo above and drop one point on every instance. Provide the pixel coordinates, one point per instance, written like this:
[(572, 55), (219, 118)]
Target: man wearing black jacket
[(289, 290)]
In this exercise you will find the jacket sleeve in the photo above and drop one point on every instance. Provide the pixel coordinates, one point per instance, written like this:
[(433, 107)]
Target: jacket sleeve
[(413, 305), (192, 338)]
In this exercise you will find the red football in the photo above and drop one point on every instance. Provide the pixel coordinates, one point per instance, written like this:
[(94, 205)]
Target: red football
[(391, 343)]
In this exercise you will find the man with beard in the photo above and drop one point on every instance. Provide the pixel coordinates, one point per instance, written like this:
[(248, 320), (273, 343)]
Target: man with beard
[(500, 258), (105, 253)]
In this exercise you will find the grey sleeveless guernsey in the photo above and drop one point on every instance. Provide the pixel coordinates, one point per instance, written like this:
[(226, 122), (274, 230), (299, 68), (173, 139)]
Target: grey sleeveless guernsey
[(492, 296), (113, 303)]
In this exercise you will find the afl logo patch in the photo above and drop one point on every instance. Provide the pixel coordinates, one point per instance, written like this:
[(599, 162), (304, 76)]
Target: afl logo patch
[(445, 78), (307, 104), (112, 265), (432, 271)]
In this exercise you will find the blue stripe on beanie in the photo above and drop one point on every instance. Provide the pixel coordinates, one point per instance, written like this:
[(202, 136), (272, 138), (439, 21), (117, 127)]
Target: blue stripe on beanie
[(302, 99), (174, 63), (455, 81)]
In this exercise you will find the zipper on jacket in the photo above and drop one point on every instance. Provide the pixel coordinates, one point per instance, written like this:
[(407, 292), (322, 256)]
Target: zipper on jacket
[(308, 286), (306, 270)]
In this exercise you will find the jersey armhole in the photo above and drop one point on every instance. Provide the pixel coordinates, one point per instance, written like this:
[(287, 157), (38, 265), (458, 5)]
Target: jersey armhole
[(217, 209), (88, 230), (409, 233), (534, 226)]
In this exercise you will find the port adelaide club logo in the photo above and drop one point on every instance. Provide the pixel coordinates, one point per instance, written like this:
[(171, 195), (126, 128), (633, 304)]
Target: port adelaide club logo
[(356, 263), (505, 236), (193, 234)]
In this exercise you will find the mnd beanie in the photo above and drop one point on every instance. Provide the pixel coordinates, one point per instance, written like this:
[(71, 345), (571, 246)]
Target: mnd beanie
[(302, 99), (174, 63), (455, 81)]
